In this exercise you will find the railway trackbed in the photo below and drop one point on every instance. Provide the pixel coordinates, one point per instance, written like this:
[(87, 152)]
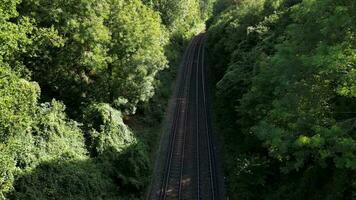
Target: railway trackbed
[(188, 167)]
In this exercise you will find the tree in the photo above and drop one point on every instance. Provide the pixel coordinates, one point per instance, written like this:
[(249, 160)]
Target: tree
[(112, 51), (136, 52), (289, 69)]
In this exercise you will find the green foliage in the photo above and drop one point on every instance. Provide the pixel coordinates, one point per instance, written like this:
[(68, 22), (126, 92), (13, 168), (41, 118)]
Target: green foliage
[(102, 59), (12, 35), (7, 166), (116, 148), (54, 134), (137, 53), (44, 154), (106, 130), (19, 36), (57, 179), (111, 51), (290, 70), (17, 103), (31, 134), (183, 18)]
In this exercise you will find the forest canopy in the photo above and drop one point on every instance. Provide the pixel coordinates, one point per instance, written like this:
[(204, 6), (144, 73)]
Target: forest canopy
[(285, 96), (72, 75), (81, 79)]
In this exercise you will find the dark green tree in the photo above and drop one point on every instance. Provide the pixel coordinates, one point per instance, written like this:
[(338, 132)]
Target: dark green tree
[(287, 87)]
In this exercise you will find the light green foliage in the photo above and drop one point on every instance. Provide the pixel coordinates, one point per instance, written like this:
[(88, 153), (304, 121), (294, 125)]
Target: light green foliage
[(102, 58), (106, 130), (68, 70), (55, 134), (12, 35), (51, 138), (112, 51), (187, 16), (17, 103), (291, 72), (114, 145), (19, 37), (7, 166), (31, 134), (183, 18), (69, 179), (137, 53), (44, 155)]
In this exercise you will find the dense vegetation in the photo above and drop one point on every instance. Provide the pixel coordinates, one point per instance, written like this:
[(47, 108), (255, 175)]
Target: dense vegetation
[(285, 74), (73, 76)]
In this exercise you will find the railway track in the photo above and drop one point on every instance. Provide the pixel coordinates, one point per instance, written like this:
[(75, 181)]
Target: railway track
[(190, 170)]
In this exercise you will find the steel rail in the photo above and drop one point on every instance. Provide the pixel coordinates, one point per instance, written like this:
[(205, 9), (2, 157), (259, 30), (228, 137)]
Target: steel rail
[(189, 56), (211, 153), (179, 145), (176, 114), (197, 124), (187, 95)]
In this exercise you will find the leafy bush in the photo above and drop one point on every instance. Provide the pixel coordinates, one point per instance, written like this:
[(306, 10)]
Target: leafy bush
[(17, 103), (71, 179), (47, 157), (31, 134), (123, 157)]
